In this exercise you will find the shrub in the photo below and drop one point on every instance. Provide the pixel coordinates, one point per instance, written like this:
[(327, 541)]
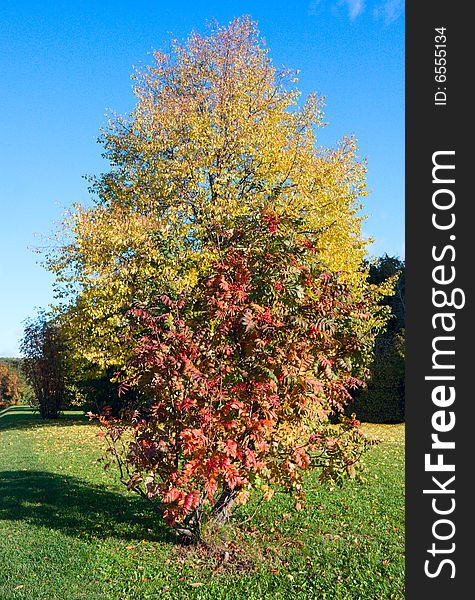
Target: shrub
[(243, 374)]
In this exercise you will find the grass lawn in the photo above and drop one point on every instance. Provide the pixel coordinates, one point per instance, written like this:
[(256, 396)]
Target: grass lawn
[(68, 530)]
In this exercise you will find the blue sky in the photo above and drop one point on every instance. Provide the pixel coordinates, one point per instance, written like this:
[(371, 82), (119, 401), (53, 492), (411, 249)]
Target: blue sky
[(64, 64)]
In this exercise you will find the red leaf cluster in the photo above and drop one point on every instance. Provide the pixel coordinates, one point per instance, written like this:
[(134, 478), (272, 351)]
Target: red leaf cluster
[(241, 380)]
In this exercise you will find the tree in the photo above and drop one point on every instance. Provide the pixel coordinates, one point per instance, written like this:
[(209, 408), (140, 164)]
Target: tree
[(10, 385), (44, 364), (221, 273), (385, 268), (14, 364)]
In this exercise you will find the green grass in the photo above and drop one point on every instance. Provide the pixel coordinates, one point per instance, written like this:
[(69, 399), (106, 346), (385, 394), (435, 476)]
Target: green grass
[(69, 530)]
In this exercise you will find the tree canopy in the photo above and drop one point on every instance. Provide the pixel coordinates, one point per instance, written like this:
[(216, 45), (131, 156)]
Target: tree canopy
[(217, 135)]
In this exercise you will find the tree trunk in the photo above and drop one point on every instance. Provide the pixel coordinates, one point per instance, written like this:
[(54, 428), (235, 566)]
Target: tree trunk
[(191, 528), (220, 513), (223, 507)]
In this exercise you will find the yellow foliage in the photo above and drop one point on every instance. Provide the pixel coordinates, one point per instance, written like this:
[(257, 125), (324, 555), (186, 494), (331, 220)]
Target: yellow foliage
[(217, 133)]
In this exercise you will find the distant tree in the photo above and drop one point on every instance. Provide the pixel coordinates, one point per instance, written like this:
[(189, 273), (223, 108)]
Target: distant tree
[(10, 385), (44, 364), (379, 272), (14, 363)]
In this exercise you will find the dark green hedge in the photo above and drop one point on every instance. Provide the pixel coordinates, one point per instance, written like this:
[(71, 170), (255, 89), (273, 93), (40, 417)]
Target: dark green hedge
[(384, 399)]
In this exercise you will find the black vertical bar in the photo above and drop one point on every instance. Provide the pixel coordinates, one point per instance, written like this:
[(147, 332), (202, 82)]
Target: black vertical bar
[(439, 119)]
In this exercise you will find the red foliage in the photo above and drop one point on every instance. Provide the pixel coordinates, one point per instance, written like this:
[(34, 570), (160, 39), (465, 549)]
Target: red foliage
[(242, 377)]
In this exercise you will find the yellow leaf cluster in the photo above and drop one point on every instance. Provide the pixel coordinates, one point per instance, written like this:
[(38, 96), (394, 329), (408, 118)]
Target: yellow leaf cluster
[(217, 133)]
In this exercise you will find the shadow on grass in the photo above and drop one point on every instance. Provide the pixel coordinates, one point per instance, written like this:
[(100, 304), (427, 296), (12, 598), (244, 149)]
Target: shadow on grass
[(77, 508), (24, 417)]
